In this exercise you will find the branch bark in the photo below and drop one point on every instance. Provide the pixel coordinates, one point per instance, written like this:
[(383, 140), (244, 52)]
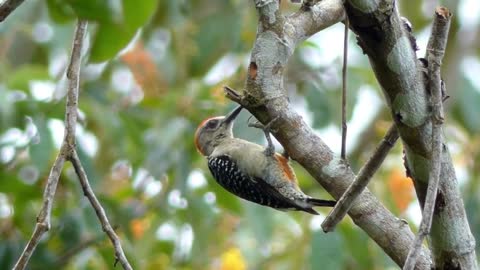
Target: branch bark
[(381, 35), (43, 218), (8, 7), (102, 216), (68, 152), (435, 51), (265, 98), (343, 153)]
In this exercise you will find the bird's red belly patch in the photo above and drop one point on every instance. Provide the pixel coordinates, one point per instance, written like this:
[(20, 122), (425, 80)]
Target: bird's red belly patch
[(287, 170)]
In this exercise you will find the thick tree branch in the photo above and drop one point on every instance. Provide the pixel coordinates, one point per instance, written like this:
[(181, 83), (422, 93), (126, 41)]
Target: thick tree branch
[(383, 38), (361, 181), (68, 152), (305, 23), (8, 7), (264, 97)]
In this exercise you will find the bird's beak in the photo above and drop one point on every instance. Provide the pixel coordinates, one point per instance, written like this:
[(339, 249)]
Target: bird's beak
[(232, 115)]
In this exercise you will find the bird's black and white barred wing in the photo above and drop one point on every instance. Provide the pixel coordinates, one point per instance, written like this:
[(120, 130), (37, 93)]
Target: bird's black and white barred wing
[(229, 176)]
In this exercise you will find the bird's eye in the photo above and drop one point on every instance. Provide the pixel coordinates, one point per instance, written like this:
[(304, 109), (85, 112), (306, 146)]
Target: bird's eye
[(212, 123)]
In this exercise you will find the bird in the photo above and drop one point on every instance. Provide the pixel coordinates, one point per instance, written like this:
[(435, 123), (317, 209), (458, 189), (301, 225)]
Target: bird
[(250, 171)]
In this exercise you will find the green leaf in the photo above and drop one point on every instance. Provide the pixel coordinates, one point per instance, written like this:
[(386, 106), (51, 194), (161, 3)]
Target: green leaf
[(109, 40), (111, 37), (60, 11), (94, 10), (138, 13)]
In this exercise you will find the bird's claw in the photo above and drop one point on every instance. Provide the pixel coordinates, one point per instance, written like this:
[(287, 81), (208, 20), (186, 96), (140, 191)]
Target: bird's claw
[(265, 128), (270, 150)]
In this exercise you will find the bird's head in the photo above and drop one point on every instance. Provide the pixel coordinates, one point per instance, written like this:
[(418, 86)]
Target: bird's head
[(213, 130)]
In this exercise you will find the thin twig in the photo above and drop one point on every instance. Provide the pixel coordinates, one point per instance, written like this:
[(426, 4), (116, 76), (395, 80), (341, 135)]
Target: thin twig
[(361, 181), (43, 218), (435, 51), (68, 152), (233, 95), (344, 91), (8, 7), (107, 228), (73, 76)]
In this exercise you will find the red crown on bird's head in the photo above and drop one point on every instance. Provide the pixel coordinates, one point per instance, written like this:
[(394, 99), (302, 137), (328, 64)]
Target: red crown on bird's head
[(197, 132)]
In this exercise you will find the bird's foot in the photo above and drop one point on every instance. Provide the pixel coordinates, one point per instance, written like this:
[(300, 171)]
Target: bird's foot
[(270, 150)]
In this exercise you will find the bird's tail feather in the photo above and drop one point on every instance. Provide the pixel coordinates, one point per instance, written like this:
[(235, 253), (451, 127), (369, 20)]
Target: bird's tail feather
[(309, 210)]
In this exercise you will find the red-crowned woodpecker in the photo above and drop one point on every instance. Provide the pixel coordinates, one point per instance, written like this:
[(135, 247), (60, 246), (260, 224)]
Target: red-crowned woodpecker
[(250, 171)]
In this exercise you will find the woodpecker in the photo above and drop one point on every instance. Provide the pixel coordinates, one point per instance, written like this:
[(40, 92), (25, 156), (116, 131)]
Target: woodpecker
[(251, 171)]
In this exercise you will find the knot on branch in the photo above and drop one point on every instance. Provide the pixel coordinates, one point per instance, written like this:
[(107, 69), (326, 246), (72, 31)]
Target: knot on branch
[(44, 226)]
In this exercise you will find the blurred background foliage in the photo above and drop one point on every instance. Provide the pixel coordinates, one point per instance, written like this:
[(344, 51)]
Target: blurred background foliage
[(154, 70)]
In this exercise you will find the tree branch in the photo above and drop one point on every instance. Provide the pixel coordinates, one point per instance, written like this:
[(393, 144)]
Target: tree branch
[(435, 51), (8, 7), (306, 23), (343, 153), (382, 36), (107, 228), (43, 218), (264, 97), (361, 181), (68, 152)]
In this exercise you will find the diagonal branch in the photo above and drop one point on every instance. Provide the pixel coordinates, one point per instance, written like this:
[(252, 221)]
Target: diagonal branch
[(107, 228), (361, 180), (68, 152), (43, 218), (8, 7), (435, 51)]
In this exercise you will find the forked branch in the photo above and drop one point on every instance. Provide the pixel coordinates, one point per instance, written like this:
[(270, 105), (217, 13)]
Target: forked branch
[(68, 152)]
